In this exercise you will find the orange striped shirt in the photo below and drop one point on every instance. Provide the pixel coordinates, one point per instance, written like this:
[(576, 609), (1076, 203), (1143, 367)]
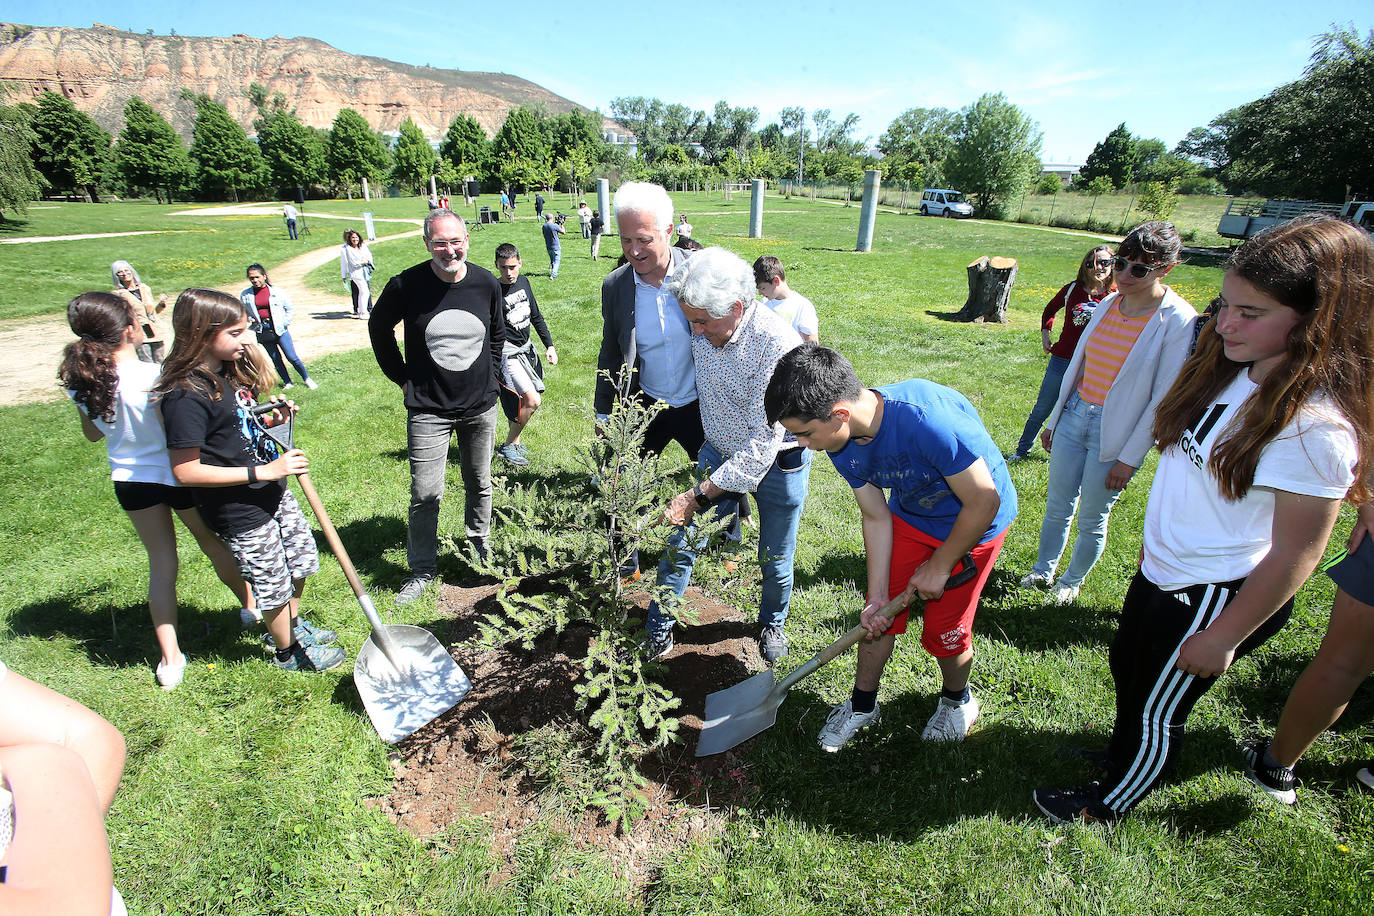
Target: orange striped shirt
[(1106, 350)]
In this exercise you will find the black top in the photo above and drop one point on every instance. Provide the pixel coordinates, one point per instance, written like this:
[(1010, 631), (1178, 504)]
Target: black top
[(227, 438), (454, 335), (598, 225), (522, 310)]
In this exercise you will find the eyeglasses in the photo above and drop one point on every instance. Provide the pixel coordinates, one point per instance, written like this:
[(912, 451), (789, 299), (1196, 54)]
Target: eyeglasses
[(1102, 262), (447, 243), (1138, 270)]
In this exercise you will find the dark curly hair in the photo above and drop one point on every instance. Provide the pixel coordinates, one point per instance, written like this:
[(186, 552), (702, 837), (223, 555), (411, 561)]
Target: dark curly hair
[(88, 363)]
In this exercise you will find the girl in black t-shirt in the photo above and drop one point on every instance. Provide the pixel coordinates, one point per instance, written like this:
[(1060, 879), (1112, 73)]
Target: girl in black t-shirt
[(208, 387)]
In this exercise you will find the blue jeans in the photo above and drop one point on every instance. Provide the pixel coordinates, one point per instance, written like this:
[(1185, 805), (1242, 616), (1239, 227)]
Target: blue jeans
[(1078, 477), (277, 344), (1044, 403), (781, 495), (427, 438), (555, 258)]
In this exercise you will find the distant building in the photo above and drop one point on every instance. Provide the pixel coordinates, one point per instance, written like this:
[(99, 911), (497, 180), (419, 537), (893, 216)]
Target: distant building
[(1066, 172)]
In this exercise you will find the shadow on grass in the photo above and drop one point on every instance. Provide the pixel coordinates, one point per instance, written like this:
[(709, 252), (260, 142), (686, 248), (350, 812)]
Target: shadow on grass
[(121, 635), (947, 316), (367, 539), (331, 316)]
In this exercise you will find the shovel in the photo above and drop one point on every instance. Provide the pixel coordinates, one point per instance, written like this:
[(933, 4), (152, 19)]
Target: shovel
[(738, 713), (405, 677)]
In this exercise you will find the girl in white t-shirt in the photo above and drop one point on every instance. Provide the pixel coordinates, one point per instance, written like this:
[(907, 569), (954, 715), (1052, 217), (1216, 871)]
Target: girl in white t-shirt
[(103, 375), (1266, 429)]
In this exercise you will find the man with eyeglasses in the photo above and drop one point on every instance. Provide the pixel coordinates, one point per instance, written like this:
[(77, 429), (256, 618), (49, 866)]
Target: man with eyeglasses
[(454, 330)]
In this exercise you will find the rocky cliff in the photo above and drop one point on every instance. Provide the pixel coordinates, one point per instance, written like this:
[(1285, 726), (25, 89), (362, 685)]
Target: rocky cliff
[(101, 68)]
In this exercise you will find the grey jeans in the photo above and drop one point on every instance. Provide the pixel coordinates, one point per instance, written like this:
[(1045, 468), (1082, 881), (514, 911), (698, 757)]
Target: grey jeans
[(427, 438)]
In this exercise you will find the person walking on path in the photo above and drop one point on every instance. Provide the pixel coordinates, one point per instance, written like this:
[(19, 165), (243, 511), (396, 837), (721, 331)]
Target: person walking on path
[(453, 321), (1098, 433), (134, 291), (355, 263), (597, 227), (1077, 300), (270, 311), (1268, 426), (104, 376), (291, 214)]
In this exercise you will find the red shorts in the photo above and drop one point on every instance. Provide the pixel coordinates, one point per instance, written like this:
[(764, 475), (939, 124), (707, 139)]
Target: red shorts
[(947, 623)]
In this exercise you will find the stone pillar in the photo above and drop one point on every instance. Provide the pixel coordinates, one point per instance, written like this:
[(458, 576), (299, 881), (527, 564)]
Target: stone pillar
[(869, 214), (756, 208), (433, 188), (603, 202), (366, 195)]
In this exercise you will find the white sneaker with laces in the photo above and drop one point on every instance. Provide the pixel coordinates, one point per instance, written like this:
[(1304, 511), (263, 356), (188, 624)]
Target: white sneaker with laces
[(951, 720), (310, 383), (1034, 579), (1063, 594), (169, 677), (844, 723)]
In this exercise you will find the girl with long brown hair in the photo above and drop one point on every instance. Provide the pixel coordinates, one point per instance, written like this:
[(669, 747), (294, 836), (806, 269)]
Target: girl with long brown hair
[(1267, 428), (209, 388), (104, 376)]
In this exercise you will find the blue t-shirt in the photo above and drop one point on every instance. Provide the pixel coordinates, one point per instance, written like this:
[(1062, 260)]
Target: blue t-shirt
[(928, 433)]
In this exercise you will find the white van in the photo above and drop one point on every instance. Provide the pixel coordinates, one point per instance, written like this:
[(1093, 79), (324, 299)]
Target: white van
[(943, 202)]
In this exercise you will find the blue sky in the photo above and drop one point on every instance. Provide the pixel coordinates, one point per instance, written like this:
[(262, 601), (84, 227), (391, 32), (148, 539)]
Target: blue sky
[(1078, 69)]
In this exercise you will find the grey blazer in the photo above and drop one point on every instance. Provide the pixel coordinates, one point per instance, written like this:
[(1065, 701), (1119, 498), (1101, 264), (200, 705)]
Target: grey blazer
[(618, 347), (1145, 377)]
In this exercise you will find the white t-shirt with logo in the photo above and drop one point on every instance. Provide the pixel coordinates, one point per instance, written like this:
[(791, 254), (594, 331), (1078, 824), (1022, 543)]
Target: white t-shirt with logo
[(135, 439), (798, 311), (1194, 535)]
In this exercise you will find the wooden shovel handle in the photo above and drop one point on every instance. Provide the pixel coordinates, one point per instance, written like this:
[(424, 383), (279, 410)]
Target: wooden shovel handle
[(330, 535)]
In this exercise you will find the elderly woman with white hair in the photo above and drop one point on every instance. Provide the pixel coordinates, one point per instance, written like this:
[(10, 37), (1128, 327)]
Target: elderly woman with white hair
[(134, 291), (736, 342)]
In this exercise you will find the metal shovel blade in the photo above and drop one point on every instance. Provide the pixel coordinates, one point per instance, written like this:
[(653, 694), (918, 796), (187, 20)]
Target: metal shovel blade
[(738, 713), (424, 683)]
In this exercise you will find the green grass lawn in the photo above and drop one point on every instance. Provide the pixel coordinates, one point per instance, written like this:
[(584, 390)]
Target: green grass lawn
[(1195, 213), (244, 788)]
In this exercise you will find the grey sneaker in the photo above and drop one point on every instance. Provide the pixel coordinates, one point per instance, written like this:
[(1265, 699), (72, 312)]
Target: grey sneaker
[(307, 634), (249, 619), (511, 455), (1034, 579), (844, 723), (951, 720), (311, 658), (1062, 594), (414, 587), (772, 644)]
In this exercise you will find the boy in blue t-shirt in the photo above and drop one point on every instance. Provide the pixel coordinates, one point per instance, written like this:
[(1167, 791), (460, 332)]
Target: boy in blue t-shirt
[(951, 495)]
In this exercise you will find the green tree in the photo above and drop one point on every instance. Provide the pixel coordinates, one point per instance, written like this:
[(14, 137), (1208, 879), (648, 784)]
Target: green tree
[(465, 145), (520, 151), (794, 119), (226, 160), (1097, 187), (1115, 157), (70, 149), (20, 182), (1157, 199), (921, 137), (1049, 184), (294, 153), (413, 159), (996, 152), (353, 152), (150, 153)]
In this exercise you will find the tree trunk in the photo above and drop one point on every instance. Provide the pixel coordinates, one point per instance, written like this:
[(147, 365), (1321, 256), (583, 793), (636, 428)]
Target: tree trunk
[(989, 289)]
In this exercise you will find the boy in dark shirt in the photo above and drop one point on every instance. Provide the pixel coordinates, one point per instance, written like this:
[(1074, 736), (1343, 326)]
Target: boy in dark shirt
[(522, 377)]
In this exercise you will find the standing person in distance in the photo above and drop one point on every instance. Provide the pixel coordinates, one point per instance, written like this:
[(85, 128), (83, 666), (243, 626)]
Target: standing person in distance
[(1077, 300), (771, 281), (1098, 433), (208, 389), (584, 216), (453, 321), (538, 204), (355, 263), (1269, 424), (104, 376), (291, 214), (684, 228), (552, 229), (598, 228), (522, 374), (270, 311), (134, 291)]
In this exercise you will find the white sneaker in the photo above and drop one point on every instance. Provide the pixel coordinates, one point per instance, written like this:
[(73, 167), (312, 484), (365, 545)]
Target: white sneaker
[(169, 677), (951, 720), (1034, 579), (287, 387), (1063, 594), (311, 384), (844, 723)]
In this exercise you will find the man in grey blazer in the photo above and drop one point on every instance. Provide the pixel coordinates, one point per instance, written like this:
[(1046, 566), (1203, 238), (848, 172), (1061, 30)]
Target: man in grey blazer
[(642, 325)]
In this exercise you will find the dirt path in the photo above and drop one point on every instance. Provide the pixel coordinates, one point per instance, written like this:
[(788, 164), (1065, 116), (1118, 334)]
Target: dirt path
[(30, 349), (28, 240)]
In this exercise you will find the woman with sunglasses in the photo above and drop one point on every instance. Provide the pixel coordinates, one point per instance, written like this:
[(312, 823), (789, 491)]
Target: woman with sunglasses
[(1099, 430), (1078, 300)]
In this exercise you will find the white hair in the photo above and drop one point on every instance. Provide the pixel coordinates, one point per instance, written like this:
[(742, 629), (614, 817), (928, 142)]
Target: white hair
[(437, 214), (713, 280), (117, 266), (643, 197)]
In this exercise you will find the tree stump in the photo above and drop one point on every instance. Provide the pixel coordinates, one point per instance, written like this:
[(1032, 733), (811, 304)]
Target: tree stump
[(989, 289)]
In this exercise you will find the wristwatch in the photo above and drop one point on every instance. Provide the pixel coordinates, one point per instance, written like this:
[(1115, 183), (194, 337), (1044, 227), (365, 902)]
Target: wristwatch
[(702, 499)]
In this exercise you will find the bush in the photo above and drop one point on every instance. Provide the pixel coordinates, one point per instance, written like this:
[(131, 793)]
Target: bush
[(1197, 184), (1049, 184)]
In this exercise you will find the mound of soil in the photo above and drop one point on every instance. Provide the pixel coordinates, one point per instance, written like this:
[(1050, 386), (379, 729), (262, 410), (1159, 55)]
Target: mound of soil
[(461, 767)]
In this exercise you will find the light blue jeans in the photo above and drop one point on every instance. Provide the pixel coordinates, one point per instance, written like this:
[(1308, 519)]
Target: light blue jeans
[(555, 258), (1078, 478), (781, 495), (1044, 403)]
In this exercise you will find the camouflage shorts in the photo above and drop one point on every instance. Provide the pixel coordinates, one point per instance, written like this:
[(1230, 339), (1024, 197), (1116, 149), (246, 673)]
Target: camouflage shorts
[(272, 556)]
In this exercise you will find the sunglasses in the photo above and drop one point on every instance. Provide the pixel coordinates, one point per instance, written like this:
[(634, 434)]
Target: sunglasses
[(1137, 270), (1102, 262)]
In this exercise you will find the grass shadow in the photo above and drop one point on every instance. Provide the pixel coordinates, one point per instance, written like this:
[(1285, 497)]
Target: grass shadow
[(952, 317)]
